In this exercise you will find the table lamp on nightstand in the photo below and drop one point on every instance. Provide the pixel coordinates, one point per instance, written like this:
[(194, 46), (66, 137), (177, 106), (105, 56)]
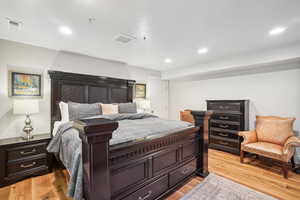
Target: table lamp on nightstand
[(26, 107)]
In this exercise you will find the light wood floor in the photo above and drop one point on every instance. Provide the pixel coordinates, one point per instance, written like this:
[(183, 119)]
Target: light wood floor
[(256, 174)]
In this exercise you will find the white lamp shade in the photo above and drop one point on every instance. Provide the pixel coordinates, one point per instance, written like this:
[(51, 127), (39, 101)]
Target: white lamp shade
[(26, 106), (143, 104)]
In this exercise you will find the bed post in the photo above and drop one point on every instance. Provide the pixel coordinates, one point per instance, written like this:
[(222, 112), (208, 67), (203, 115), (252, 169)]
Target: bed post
[(95, 135), (202, 120)]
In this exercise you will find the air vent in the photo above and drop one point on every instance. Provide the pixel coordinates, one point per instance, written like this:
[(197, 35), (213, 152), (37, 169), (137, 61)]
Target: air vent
[(14, 24), (124, 38)]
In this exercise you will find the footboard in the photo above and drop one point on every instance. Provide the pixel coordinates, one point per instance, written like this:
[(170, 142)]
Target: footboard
[(146, 169)]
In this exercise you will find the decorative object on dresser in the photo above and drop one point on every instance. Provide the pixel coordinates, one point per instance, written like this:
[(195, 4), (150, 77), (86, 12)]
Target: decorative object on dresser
[(273, 138), (187, 116), (230, 117), (26, 107), (20, 159)]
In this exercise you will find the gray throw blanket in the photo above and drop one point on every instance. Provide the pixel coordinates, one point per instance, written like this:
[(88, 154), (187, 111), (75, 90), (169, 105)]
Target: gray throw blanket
[(67, 144)]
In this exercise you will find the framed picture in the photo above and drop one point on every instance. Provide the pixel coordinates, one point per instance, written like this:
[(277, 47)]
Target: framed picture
[(25, 84), (140, 90)]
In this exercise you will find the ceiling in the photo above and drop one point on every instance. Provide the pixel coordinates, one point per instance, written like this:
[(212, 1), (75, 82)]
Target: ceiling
[(173, 29)]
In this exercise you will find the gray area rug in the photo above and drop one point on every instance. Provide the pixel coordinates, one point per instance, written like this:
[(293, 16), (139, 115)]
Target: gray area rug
[(215, 187)]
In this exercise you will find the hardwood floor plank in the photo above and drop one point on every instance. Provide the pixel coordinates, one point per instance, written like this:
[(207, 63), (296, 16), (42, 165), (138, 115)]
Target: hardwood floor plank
[(255, 174), (5, 193)]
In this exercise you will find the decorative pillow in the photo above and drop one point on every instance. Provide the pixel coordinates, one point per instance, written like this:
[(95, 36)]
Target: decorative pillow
[(80, 110), (108, 109), (273, 129), (127, 108), (64, 111)]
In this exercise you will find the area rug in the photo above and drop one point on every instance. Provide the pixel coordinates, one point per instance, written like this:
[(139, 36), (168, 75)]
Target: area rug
[(215, 187)]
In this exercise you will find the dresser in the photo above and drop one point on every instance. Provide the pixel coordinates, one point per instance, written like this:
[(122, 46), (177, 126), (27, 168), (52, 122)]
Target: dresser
[(20, 159), (229, 117)]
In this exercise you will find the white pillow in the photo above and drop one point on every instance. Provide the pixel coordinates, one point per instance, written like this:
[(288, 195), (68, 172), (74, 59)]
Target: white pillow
[(64, 111), (108, 109)]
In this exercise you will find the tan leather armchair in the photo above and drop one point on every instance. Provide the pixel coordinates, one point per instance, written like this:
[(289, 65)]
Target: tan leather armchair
[(273, 138)]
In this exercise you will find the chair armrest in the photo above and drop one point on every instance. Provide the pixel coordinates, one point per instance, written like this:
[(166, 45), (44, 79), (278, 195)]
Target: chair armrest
[(291, 142), (249, 137)]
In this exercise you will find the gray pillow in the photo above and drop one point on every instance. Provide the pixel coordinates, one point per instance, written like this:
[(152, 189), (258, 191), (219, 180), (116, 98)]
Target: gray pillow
[(127, 108), (80, 110)]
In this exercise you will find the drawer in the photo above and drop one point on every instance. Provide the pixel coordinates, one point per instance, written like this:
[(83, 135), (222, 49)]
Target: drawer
[(224, 134), (220, 106), (151, 191), (128, 176), (164, 161), (189, 150), (25, 165), (182, 172), (225, 126), (26, 151), (224, 142), (226, 117)]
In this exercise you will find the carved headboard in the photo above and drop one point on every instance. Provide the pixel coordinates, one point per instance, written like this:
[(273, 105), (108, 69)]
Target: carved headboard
[(83, 88)]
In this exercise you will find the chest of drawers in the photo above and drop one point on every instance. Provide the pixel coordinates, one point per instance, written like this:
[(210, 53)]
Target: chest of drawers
[(230, 116)]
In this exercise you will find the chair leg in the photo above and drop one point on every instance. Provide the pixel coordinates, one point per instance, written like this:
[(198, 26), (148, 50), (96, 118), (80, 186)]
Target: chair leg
[(285, 170), (293, 162), (242, 154)]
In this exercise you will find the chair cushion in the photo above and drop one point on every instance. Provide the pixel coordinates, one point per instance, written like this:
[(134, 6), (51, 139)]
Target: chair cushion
[(269, 150), (274, 129)]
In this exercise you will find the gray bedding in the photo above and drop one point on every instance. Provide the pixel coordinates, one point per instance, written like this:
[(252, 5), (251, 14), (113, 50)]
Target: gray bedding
[(67, 144)]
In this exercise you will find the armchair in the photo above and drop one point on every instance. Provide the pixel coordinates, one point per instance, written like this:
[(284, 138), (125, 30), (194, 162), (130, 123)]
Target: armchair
[(273, 138)]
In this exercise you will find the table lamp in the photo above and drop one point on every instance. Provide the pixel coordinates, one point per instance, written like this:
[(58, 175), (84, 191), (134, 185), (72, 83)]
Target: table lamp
[(26, 107), (144, 105)]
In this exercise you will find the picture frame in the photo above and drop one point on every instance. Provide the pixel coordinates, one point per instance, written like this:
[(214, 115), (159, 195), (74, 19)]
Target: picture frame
[(140, 90), (25, 85)]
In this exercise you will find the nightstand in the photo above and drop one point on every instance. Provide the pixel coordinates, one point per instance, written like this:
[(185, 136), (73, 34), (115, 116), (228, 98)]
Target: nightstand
[(20, 159)]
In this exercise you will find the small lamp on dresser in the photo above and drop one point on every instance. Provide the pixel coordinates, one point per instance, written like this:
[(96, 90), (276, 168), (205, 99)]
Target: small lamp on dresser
[(26, 107)]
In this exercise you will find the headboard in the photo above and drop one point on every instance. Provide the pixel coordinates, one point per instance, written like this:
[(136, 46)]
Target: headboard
[(83, 88)]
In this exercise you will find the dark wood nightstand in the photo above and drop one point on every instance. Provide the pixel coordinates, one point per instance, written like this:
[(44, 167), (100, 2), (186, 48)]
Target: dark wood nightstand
[(20, 159)]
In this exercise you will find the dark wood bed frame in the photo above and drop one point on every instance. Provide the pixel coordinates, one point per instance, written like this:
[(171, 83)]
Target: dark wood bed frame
[(143, 170)]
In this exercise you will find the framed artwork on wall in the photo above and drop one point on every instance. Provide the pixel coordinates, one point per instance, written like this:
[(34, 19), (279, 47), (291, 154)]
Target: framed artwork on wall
[(25, 84), (140, 90)]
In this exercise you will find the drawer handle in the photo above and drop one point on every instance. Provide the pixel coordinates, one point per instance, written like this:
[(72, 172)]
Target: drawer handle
[(185, 171), (225, 107), (223, 126), (28, 152), (223, 117), (223, 143), (223, 134), (146, 196), (27, 166)]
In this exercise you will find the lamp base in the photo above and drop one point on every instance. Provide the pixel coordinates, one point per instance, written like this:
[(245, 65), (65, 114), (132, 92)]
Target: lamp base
[(27, 129), (27, 137)]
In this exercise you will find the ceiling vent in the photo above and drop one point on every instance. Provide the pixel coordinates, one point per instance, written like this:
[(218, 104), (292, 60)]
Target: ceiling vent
[(124, 38), (13, 24)]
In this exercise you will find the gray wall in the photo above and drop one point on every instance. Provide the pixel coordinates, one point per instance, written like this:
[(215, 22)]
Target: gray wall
[(29, 58)]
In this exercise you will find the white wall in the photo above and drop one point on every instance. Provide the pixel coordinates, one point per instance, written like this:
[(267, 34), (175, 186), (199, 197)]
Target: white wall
[(24, 57), (273, 93)]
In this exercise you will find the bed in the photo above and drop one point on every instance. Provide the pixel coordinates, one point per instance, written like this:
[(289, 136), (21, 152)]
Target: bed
[(143, 168)]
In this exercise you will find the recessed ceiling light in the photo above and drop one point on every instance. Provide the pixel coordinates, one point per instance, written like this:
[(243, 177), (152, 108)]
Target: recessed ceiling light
[(65, 30), (202, 50), (168, 60), (277, 30)]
